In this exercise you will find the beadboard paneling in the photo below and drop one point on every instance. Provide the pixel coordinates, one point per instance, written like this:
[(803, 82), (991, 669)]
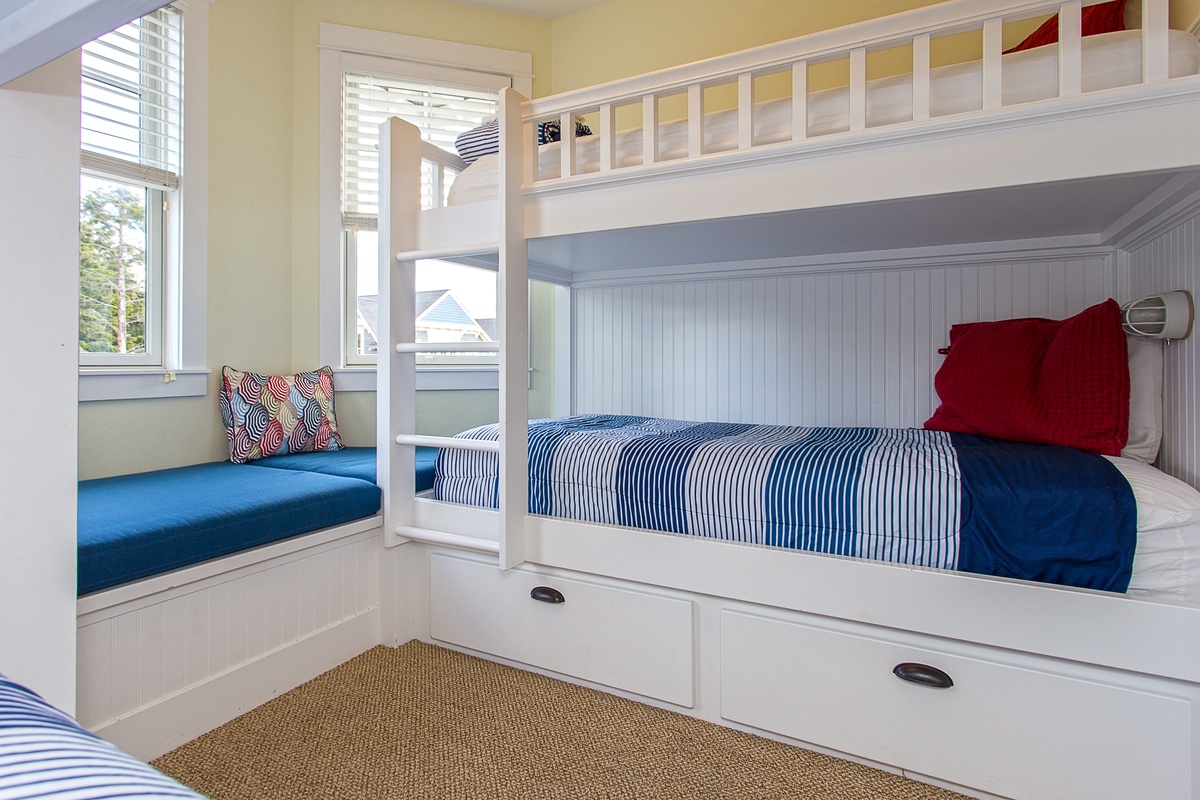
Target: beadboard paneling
[(838, 349), (132, 659), (1172, 261)]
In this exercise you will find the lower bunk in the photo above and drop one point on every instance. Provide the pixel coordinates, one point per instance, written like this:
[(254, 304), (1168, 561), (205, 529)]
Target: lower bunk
[(995, 688), (1064, 665), (207, 590)]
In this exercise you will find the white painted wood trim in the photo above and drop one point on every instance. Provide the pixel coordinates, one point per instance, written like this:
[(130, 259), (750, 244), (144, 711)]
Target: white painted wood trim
[(1070, 49), (608, 141), (1132, 99), (400, 154), (566, 148), (993, 33), (921, 47), (695, 100), (513, 325), (1155, 22), (953, 15), (649, 129), (35, 32), (858, 89), (799, 101), (159, 728), (425, 51), (1123, 633), (745, 90), (164, 659)]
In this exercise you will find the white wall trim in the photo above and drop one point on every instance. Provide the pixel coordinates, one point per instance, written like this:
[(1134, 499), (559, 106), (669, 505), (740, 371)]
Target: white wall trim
[(1168, 213), (185, 273), (116, 383), (156, 729), (340, 47), (846, 263)]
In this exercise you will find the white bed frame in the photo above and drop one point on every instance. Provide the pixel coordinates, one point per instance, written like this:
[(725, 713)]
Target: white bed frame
[(1058, 693)]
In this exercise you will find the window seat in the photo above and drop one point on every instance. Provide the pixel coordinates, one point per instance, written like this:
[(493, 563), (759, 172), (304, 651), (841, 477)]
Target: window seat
[(133, 526)]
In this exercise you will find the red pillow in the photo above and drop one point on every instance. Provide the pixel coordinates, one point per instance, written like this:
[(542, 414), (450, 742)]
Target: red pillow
[(1100, 18), (1046, 381)]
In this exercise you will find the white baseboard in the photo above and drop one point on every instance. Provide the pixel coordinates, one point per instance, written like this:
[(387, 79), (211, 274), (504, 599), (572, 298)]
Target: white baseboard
[(152, 731)]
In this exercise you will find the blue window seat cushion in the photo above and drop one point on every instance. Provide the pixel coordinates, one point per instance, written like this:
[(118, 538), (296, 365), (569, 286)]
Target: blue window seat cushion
[(133, 526), (352, 462)]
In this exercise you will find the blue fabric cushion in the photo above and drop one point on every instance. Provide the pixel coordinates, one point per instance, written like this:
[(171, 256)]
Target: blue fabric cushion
[(352, 462), (132, 526), (44, 753)]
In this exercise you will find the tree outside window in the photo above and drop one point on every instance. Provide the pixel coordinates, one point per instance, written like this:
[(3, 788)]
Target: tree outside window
[(112, 269)]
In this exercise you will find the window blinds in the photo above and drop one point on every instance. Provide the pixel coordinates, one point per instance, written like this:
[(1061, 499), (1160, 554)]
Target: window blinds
[(441, 112), (131, 97)]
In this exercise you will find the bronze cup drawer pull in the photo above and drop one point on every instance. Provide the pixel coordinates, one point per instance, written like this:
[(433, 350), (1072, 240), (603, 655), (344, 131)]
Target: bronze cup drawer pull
[(922, 675), (547, 594)]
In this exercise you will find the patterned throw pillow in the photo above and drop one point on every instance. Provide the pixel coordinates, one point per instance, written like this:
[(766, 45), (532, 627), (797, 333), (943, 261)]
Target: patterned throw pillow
[(273, 415)]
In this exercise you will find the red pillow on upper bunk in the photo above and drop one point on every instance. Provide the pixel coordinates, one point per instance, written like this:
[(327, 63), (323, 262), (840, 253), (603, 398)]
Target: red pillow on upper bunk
[(1045, 381), (1100, 18)]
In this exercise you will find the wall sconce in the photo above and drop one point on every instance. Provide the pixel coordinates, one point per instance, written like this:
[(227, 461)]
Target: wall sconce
[(1159, 316)]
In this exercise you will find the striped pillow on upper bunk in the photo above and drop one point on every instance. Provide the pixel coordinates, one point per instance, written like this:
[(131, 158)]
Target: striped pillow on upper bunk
[(44, 753)]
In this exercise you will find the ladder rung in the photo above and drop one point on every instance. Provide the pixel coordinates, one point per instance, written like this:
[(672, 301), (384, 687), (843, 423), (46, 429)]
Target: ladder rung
[(449, 539), (448, 347), (482, 445), (461, 251)]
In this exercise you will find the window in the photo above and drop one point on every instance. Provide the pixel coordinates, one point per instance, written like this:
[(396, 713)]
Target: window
[(134, 236), (454, 303), (366, 77)]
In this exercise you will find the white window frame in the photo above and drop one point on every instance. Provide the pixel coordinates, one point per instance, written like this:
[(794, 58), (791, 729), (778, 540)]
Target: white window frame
[(344, 49), (183, 370)]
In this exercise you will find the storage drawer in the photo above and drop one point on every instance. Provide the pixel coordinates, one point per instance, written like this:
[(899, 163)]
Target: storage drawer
[(618, 637), (1018, 726)]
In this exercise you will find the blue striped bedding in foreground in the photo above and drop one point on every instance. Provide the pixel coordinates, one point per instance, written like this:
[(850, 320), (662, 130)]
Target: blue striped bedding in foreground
[(44, 753), (910, 496)]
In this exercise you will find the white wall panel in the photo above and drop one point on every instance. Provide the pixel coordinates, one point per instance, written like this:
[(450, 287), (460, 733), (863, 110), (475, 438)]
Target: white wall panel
[(138, 654), (813, 348), (1172, 261)]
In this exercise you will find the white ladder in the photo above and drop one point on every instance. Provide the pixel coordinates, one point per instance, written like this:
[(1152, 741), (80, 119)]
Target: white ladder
[(400, 147)]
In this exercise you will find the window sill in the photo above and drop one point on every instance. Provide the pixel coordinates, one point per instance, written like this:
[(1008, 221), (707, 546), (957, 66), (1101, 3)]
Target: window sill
[(134, 383), (430, 379)]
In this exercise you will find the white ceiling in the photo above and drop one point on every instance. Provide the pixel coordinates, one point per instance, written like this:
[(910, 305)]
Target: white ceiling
[(546, 9)]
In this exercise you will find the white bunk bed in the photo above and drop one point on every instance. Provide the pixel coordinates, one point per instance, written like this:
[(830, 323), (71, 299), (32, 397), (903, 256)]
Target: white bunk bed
[(1058, 692)]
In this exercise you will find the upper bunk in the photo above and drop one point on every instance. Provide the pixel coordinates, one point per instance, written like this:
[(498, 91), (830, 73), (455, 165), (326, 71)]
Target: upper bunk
[(876, 136)]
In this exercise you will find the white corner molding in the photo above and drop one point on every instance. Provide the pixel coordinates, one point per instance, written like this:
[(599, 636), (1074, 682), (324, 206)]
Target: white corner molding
[(104, 383), (39, 31)]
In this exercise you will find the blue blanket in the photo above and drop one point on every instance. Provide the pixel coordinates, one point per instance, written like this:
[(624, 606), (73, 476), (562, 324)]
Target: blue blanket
[(926, 498)]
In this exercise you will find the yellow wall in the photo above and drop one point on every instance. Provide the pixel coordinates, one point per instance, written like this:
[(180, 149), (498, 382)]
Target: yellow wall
[(1184, 13)]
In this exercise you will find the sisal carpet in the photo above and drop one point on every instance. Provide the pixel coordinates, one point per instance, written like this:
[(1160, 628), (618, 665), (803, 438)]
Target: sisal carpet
[(421, 721)]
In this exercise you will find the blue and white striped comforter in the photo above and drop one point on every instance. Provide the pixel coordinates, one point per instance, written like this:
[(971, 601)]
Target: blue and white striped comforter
[(45, 754), (911, 496)]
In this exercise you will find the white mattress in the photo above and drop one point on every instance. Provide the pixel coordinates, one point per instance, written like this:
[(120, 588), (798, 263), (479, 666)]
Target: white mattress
[(1166, 564), (1109, 60)]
